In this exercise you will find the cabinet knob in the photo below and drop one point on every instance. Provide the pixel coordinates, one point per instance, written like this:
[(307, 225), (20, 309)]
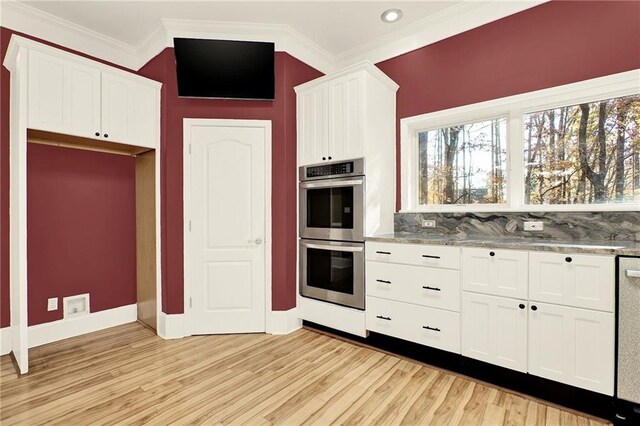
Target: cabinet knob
[(521, 306), (97, 133), (534, 308), (329, 157), (568, 259), (106, 135), (324, 158), (492, 253)]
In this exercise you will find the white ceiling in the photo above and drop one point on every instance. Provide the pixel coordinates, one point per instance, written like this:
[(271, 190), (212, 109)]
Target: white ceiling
[(335, 26)]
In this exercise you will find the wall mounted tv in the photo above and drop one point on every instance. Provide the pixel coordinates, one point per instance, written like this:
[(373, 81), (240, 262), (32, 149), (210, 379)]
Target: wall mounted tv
[(225, 69)]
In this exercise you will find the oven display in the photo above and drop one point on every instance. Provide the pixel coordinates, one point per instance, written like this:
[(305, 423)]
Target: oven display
[(330, 169)]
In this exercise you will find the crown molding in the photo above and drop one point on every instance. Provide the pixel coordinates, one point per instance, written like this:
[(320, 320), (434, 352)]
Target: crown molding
[(453, 20), (456, 19), (366, 66), (26, 19)]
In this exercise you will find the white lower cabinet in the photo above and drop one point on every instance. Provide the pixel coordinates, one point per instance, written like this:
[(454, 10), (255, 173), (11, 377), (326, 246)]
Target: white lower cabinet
[(428, 326), (573, 346), (494, 330)]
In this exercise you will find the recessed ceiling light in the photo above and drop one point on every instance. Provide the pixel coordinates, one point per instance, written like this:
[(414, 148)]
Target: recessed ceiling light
[(391, 15)]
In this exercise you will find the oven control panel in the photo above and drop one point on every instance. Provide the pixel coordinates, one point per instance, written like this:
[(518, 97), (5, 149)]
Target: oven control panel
[(329, 170)]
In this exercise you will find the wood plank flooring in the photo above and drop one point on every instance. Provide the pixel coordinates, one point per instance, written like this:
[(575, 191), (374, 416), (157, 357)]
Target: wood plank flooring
[(127, 375)]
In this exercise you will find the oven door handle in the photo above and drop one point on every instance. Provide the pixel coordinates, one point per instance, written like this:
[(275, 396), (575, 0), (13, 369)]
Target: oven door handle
[(333, 248), (331, 184)]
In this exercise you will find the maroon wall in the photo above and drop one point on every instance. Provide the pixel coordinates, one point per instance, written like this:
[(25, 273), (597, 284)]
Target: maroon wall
[(81, 222), (289, 73), (552, 44)]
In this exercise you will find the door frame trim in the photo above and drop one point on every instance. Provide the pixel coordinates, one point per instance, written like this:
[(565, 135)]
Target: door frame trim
[(187, 125)]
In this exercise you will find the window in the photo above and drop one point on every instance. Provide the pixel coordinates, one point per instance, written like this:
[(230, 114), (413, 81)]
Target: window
[(463, 164), (567, 148), (583, 154)]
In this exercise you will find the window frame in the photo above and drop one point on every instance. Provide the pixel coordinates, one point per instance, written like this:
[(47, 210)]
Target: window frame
[(513, 108)]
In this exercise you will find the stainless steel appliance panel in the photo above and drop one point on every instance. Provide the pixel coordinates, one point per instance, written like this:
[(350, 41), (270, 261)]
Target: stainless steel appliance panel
[(333, 209), (333, 271), (629, 329)]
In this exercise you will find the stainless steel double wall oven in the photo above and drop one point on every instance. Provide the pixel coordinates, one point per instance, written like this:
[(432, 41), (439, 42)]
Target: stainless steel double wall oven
[(332, 232)]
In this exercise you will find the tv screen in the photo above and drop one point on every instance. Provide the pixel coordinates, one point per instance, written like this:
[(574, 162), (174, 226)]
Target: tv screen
[(225, 69)]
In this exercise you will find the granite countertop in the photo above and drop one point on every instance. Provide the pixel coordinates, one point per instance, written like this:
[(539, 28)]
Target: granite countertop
[(622, 248)]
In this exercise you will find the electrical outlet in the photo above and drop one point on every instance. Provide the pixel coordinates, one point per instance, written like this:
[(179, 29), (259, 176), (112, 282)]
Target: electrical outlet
[(534, 226), (428, 223), (52, 304)]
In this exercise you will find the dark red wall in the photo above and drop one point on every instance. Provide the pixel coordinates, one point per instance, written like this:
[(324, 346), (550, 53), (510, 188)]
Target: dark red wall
[(289, 73), (81, 222), (555, 43)]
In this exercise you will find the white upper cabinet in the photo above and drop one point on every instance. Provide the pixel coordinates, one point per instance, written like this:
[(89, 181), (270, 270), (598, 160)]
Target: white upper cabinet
[(573, 346), (496, 272), (128, 115), (585, 281), (312, 125), (64, 96), (346, 115), (71, 95)]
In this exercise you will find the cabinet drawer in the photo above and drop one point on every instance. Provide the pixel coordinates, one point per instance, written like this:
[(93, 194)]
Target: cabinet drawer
[(427, 326), (437, 288), (414, 254), (579, 280), (496, 272)]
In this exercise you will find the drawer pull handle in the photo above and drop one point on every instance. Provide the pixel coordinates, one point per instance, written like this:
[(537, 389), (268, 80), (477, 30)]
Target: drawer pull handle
[(426, 287), (384, 318), (428, 256), (384, 281), (383, 252), (426, 327), (633, 274)]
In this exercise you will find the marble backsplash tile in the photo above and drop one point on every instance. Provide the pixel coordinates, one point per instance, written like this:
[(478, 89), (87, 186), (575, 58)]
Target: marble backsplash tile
[(579, 226)]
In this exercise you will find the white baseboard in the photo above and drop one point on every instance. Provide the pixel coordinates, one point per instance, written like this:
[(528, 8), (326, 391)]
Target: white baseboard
[(284, 322), (63, 329), (5, 340), (171, 326), (334, 316)]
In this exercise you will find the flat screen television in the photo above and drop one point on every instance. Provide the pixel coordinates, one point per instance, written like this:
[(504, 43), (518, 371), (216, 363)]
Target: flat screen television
[(225, 69)]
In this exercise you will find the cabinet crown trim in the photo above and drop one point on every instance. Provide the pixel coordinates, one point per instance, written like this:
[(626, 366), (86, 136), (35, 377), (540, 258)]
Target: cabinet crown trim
[(18, 43), (366, 66)]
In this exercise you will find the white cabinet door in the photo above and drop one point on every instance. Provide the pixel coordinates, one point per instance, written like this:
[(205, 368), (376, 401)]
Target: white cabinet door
[(494, 330), (129, 111), (346, 115), (573, 346), (64, 97), (584, 281), (496, 272), (312, 126)]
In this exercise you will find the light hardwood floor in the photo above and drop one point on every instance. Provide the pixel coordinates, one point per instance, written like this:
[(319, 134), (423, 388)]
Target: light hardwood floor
[(127, 375)]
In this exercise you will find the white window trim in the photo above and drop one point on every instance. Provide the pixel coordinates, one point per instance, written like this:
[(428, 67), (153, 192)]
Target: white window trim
[(612, 86)]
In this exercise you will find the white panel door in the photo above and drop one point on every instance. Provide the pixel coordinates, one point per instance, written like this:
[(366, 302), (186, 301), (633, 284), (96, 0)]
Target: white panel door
[(496, 272), (346, 115), (312, 126), (572, 346), (226, 256), (494, 330), (584, 281)]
